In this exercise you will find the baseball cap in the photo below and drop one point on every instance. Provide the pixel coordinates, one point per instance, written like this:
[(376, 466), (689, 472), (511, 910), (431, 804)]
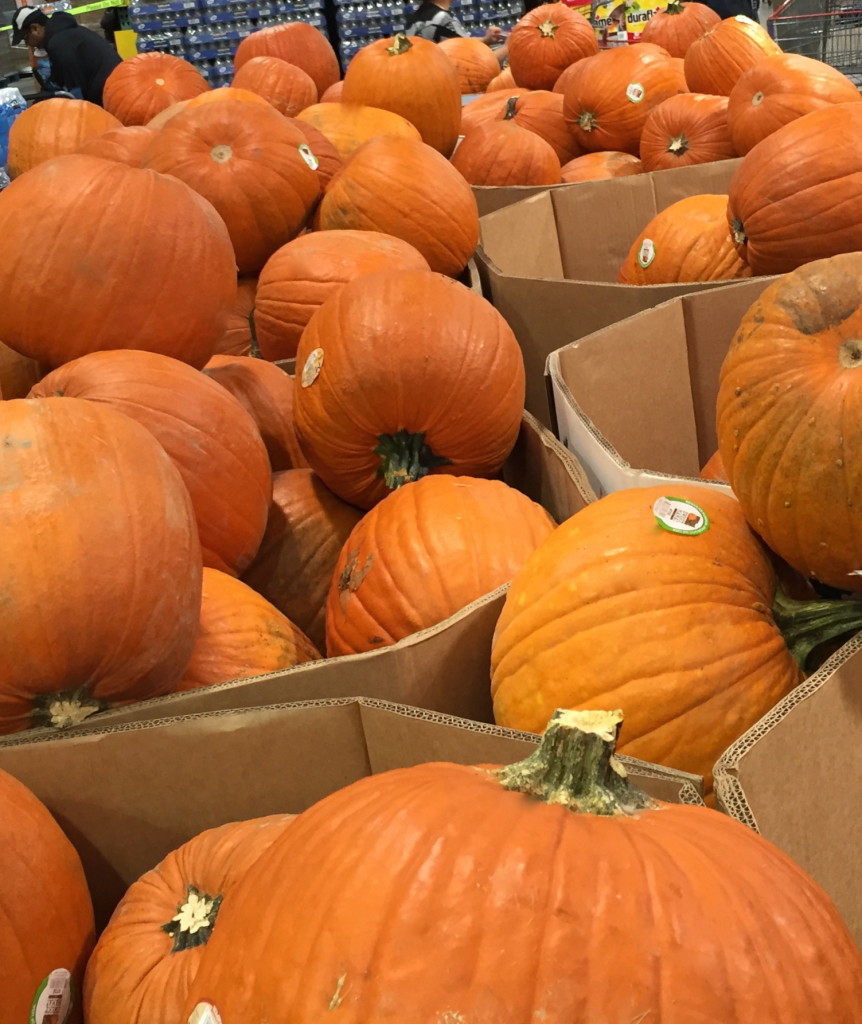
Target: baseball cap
[(21, 21)]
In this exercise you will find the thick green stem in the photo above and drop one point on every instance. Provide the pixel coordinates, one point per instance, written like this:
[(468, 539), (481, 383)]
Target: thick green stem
[(64, 708), (405, 457), (805, 625), (574, 765), (674, 7)]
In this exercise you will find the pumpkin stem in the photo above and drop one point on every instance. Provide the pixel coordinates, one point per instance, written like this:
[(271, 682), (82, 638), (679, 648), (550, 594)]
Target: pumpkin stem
[(678, 145), (193, 923), (547, 30), (255, 347), (805, 625), (574, 765), (62, 709), (674, 7), (400, 44), (405, 457), (587, 121), (511, 108), (738, 232)]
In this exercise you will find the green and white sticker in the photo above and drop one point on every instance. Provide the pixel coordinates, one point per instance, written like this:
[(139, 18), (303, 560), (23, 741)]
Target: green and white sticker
[(312, 368), (646, 253), (678, 515), (205, 1013), (635, 92), (52, 1003), (308, 156)]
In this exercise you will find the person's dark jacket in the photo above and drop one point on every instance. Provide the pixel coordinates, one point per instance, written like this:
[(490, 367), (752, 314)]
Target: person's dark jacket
[(80, 59)]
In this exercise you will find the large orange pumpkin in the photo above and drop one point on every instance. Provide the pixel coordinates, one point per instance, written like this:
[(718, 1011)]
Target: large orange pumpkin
[(237, 339), (678, 25), (126, 145), (494, 890), (212, 440), (348, 125), (715, 62), (287, 87), (777, 90), (688, 241), (406, 189), (795, 196), (305, 532), (474, 63), (687, 129), (17, 373), (413, 78), (501, 153), (298, 43), (266, 393), (167, 288), (146, 957), (142, 86), (490, 107), (546, 41), (255, 168), (48, 130), (608, 97), (299, 278), (101, 564), (435, 379), (541, 112), (458, 538), (594, 166), (46, 915)]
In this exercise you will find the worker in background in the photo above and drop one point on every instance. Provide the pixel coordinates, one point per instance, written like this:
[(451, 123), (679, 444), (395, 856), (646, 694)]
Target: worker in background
[(80, 59), (434, 21)]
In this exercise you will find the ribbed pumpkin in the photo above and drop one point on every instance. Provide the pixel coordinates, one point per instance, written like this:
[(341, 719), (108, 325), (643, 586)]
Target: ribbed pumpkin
[(167, 289), (306, 529), (255, 168), (505, 80), (778, 90), (299, 278), (298, 43), (46, 915), (142, 86), (48, 130), (689, 649), (546, 41), (266, 393), (333, 93), (678, 25), (485, 109), (609, 97), (492, 891), (474, 63), (594, 166), (348, 125), (17, 373), (126, 145), (688, 241), (224, 94), (237, 338), (212, 440), (716, 61), (713, 469), (329, 161), (687, 129), (458, 539), (101, 564), (287, 87), (787, 415), (405, 188), (145, 959), (795, 196), (501, 153), (163, 116), (413, 78), (241, 635), (435, 379), (541, 112)]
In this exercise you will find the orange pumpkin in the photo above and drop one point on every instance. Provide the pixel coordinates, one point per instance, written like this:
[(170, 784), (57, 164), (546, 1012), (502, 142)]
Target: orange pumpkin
[(713, 469), (485, 109), (413, 78), (142, 86), (505, 80), (501, 153), (222, 95), (445, 400), (305, 532), (17, 373), (716, 61), (266, 393), (163, 116), (298, 43), (46, 921), (146, 957), (405, 188), (329, 161), (126, 145), (102, 584), (473, 535), (687, 129), (678, 25), (474, 63), (348, 126), (609, 97), (546, 41), (333, 93), (688, 241), (541, 112), (174, 282), (303, 274), (780, 89), (287, 87), (212, 440), (513, 872), (48, 130), (595, 166), (237, 338)]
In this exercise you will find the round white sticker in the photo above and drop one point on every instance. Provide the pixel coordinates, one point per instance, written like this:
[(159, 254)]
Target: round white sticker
[(635, 92), (678, 515), (205, 1013), (308, 156), (53, 1001), (312, 368), (646, 253)]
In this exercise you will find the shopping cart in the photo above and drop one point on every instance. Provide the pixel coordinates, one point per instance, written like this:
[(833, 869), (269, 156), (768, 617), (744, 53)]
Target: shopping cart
[(828, 30)]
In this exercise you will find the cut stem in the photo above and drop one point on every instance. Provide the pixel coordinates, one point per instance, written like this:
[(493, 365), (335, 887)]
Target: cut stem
[(64, 708), (805, 625), (400, 44), (404, 458)]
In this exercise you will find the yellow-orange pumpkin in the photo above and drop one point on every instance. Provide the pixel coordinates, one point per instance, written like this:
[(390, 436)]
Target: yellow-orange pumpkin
[(594, 166), (348, 125)]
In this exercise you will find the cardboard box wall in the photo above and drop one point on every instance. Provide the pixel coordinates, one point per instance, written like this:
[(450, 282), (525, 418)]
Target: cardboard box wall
[(128, 796), (549, 263)]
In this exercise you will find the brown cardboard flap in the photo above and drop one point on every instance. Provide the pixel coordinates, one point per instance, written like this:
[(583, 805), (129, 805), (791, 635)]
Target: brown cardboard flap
[(490, 198), (794, 777), (522, 239)]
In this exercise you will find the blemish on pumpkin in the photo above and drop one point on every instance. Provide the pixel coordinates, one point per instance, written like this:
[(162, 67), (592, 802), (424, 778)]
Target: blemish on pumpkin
[(9, 441), (377, 640), (335, 1001), (352, 575)]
